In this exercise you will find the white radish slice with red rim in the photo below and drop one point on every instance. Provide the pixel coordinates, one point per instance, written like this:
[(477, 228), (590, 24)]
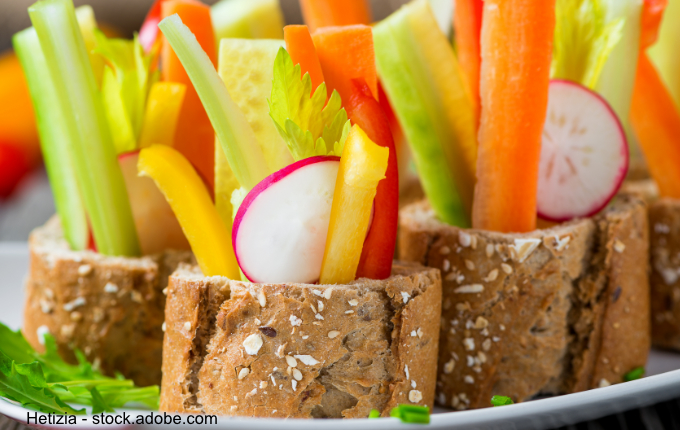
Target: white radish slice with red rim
[(584, 153), (280, 228)]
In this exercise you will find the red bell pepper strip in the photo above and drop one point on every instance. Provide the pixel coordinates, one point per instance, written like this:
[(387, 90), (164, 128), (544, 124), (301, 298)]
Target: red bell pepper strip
[(467, 22), (194, 136), (650, 22), (148, 32), (376, 256)]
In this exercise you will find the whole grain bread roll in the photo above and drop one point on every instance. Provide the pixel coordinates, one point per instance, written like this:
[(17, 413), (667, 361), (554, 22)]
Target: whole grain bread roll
[(110, 308), (553, 311), (299, 350), (664, 222)]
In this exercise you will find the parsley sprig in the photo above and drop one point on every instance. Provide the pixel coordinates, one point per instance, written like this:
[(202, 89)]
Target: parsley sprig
[(45, 382)]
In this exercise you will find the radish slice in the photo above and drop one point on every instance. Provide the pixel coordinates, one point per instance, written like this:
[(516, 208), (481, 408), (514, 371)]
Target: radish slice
[(280, 228), (584, 153)]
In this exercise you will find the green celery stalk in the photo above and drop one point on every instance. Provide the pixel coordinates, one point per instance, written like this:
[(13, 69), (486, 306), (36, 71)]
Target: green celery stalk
[(618, 74), (88, 27), (236, 137), (94, 159), (664, 53), (53, 139)]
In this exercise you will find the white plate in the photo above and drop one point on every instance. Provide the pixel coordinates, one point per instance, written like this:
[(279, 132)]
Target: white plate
[(663, 384)]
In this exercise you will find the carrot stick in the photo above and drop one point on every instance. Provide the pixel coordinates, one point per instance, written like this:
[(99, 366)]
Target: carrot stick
[(517, 40), (301, 49), (194, 136), (346, 53), (326, 13), (654, 115), (467, 22), (656, 122)]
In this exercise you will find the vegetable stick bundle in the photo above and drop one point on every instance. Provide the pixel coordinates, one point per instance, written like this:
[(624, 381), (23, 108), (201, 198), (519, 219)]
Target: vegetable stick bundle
[(277, 162)]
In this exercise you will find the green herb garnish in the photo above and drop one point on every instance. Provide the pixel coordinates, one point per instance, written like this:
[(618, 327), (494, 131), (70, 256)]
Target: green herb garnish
[(307, 127), (501, 401), (374, 414), (634, 374), (411, 414), (45, 382)]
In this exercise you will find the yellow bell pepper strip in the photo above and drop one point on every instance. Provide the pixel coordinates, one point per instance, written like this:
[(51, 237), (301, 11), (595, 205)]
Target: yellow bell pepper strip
[(189, 199), (362, 166), (162, 111), (664, 53)]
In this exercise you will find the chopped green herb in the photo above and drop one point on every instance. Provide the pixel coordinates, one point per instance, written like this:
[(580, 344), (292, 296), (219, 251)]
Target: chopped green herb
[(374, 414), (307, 127), (45, 382), (501, 401), (634, 374), (411, 414)]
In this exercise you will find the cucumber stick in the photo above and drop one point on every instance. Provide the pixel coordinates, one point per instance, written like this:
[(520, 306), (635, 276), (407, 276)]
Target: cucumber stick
[(94, 160), (247, 19), (425, 85), (54, 139), (238, 58)]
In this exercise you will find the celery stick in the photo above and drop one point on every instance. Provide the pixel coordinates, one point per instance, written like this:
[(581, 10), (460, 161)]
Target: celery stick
[(88, 27), (664, 53), (618, 75), (94, 159), (231, 126), (247, 19), (53, 139)]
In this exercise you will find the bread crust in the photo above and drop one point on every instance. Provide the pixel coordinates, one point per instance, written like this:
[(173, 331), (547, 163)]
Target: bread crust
[(664, 222), (110, 308), (546, 312), (366, 345)]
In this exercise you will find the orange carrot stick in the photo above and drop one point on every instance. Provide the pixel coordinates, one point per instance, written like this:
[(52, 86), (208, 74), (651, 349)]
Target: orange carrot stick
[(300, 46), (194, 136), (656, 122), (467, 22), (517, 40), (326, 13), (346, 53)]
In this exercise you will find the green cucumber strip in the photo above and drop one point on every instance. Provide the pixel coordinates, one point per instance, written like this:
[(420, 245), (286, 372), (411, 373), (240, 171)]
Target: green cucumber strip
[(410, 91), (53, 139), (94, 159), (231, 126)]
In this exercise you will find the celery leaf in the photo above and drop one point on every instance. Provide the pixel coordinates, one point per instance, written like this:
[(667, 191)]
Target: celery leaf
[(308, 124), (584, 39), (128, 76)]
